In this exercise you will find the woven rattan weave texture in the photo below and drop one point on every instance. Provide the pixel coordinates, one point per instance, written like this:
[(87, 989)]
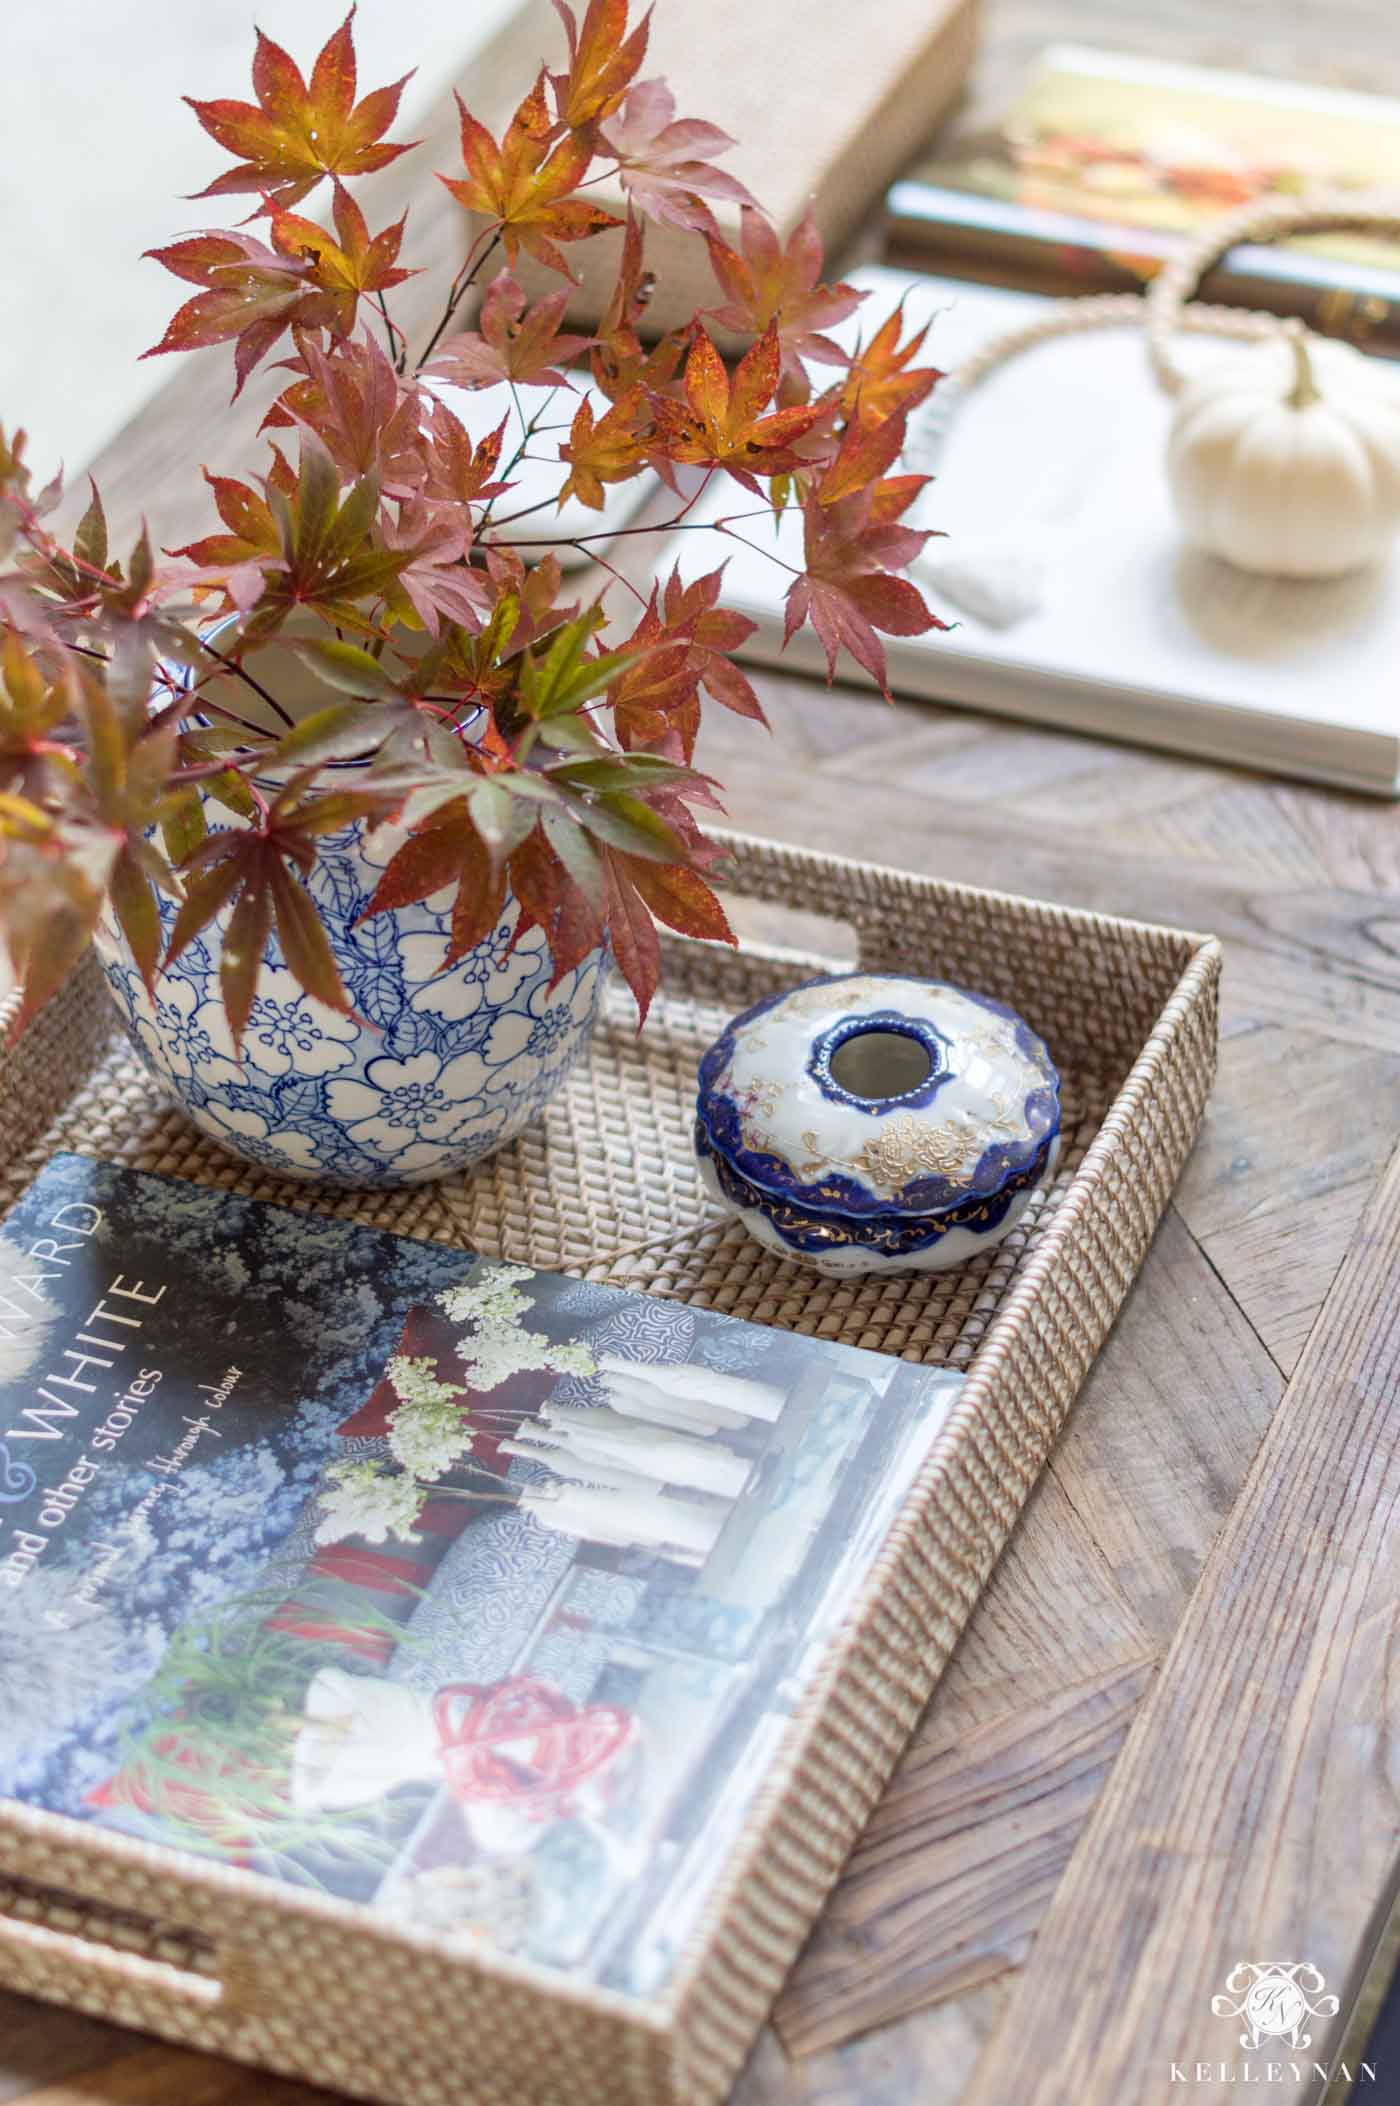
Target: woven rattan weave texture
[(605, 1187)]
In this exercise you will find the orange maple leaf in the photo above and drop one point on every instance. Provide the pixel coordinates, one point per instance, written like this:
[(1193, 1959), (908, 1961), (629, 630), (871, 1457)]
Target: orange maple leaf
[(295, 134), (610, 450), (346, 268), (523, 184), (307, 279), (720, 422), (883, 380), (603, 60), (767, 283)]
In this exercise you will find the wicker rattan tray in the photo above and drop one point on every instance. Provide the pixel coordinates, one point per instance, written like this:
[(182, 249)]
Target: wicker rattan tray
[(605, 1187)]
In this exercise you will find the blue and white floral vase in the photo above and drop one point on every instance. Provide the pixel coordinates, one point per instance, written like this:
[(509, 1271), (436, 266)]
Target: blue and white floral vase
[(445, 1068)]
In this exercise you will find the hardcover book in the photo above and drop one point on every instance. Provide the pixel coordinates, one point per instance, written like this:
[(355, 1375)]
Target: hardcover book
[(1107, 163), (1072, 595), (477, 1597)]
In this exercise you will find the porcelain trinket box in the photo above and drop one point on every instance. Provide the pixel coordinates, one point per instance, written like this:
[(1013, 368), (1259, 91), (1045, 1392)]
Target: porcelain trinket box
[(874, 1124)]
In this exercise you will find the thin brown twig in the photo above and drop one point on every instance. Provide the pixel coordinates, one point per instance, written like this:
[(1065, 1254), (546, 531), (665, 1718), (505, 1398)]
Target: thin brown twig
[(398, 354), (457, 293), (237, 667)]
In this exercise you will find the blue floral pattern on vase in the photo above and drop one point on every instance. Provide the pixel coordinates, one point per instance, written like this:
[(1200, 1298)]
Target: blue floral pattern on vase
[(445, 1067)]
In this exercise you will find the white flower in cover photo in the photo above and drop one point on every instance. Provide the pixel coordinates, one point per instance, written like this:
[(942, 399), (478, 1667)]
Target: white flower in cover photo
[(515, 1754), (361, 1738), (287, 1029)]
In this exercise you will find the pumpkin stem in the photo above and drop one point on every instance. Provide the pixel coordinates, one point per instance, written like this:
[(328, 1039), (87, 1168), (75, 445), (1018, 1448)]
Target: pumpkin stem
[(1305, 389)]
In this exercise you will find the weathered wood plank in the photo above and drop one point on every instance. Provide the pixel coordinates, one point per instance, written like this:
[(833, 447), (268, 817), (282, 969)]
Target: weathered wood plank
[(164, 2076), (1274, 1193), (39, 2045), (1253, 1810), (1166, 1427), (1306, 956), (951, 1878), (963, 1855), (928, 2057)]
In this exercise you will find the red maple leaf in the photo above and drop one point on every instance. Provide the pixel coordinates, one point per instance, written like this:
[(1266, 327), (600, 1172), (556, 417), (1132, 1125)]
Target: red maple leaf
[(252, 295), (368, 418), (670, 892), (251, 531), (435, 580), (684, 636), (458, 472), (307, 279), (664, 163), (767, 283), (295, 134), (714, 632), (846, 591), (513, 342)]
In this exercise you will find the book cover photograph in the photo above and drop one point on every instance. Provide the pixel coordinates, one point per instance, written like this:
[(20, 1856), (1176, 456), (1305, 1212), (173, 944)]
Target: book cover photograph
[(1108, 162), (1074, 600), (479, 1596)]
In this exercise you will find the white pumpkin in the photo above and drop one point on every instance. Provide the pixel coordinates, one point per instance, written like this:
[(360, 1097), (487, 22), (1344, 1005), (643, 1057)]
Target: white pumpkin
[(1286, 459)]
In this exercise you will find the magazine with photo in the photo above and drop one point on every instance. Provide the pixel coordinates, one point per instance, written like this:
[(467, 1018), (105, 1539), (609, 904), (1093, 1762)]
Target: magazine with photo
[(478, 1596)]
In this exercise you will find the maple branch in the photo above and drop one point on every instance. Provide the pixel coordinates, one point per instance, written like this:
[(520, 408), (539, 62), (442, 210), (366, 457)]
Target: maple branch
[(236, 666), (398, 358), (722, 526), (660, 526), (460, 285), (178, 705), (527, 434), (638, 596), (222, 766)]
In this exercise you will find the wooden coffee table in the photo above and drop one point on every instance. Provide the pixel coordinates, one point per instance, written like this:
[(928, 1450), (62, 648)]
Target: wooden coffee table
[(1166, 1744)]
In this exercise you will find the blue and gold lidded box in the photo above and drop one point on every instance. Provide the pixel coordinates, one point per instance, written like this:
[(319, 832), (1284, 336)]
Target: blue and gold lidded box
[(875, 1124)]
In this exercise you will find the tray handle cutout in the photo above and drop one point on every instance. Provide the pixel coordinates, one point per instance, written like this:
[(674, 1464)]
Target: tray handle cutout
[(55, 1943), (814, 939)]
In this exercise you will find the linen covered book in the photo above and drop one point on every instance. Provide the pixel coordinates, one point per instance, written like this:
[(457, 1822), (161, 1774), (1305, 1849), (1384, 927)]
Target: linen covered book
[(483, 1600)]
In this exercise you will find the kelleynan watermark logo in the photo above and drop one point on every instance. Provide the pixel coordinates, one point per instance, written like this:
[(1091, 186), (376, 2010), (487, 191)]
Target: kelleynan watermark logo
[(1276, 2000), (1271, 1996)]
